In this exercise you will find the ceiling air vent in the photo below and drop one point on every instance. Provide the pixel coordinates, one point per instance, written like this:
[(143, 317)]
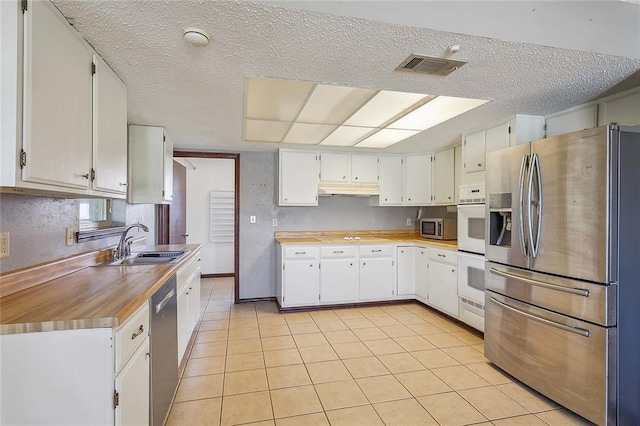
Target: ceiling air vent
[(429, 65)]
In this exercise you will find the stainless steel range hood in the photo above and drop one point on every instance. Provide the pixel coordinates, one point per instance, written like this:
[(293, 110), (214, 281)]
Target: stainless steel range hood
[(348, 189)]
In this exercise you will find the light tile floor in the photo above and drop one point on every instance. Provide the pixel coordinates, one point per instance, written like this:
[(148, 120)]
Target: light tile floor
[(390, 365)]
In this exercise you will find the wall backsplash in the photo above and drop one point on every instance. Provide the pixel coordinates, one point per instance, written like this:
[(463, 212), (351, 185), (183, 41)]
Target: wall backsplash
[(258, 196), (37, 228)]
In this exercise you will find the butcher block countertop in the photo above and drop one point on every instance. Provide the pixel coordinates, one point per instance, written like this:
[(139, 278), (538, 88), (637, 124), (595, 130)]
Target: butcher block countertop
[(89, 297), (365, 237)]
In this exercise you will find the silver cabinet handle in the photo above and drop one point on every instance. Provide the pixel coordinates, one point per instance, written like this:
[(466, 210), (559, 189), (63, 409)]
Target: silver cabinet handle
[(300, 252), (122, 184), (376, 251), (523, 170), (137, 333), (442, 255), (339, 251), (577, 291), (576, 330), (86, 176)]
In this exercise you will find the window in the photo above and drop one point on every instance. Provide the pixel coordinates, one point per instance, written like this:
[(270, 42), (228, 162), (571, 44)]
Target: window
[(100, 218)]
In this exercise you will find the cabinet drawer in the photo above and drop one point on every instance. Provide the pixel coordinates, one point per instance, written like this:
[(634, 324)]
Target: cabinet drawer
[(185, 272), (443, 256), (338, 251), (131, 334), (301, 252), (376, 251)]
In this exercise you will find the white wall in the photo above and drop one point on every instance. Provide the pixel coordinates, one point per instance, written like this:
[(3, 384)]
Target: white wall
[(211, 174)]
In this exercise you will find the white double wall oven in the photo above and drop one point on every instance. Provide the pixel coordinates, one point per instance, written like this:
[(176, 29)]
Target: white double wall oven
[(471, 243)]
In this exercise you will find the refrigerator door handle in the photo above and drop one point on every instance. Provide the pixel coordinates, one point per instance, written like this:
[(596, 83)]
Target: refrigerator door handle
[(577, 291), (523, 172), (576, 330), (535, 168), (529, 204)]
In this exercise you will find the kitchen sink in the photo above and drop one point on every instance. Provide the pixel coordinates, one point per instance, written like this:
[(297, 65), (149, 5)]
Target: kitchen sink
[(147, 258)]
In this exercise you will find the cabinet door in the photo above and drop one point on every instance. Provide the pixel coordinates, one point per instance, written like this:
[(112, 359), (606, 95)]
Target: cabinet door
[(194, 301), (443, 288), (418, 179), (167, 171), (301, 283), (406, 271), (334, 167), (338, 280), (57, 100), (421, 277), (444, 177), (132, 386), (458, 171), (497, 137), (146, 164), (376, 279), (391, 177), (623, 110), (473, 152), (364, 168), (109, 130), (183, 322), (298, 178)]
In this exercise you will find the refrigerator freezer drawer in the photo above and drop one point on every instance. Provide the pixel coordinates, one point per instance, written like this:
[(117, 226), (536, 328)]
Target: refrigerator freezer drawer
[(565, 359), (579, 299)]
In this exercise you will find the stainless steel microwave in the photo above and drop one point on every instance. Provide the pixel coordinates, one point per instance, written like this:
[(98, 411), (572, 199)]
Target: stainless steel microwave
[(439, 228)]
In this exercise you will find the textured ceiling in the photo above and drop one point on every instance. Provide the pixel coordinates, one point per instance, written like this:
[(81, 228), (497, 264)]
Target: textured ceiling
[(198, 93)]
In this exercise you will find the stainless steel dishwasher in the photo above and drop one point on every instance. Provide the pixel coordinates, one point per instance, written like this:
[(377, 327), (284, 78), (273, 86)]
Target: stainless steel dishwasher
[(164, 350)]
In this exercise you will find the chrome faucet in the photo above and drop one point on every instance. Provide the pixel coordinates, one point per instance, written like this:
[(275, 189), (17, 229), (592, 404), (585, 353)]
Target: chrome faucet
[(123, 249)]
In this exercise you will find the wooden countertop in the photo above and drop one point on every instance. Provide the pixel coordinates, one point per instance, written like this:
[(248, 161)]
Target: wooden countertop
[(91, 297), (366, 237)]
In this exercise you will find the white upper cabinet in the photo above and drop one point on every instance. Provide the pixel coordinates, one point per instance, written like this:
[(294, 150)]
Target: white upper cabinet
[(364, 168), (622, 109), (473, 152), (391, 179), (497, 137), (417, 179), (335, 167), (109, 130), (150, 166), (458, 171), (344, 167), (64, 129), (573, 119), (444, 177), (298, 177), (57, 100)]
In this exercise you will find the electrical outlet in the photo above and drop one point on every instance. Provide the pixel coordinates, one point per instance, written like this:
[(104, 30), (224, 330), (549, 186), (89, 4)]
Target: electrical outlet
[(4, 245), (252, 219), (70, 237), (409, 222), (275, 222)]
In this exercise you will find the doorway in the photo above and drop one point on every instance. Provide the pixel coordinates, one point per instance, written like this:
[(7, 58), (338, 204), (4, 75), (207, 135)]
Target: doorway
[(166, 213)]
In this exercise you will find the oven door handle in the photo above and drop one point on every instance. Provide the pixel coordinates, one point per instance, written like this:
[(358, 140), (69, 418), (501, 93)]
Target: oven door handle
[(576, 330), (577, 291)]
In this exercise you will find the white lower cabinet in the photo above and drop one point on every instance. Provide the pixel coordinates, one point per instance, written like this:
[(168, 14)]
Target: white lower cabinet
[(421, 262), (377, 272), (94, 376), (132, 388), (338, 274), (442, 277), (406, 270), (188, 287), (299, 281)]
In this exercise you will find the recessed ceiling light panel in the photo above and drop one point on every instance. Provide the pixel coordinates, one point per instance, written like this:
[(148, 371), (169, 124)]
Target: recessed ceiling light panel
[(265, 131), (347, 135), (333, 104), (280, 100), (435, 112), (386, 137), (309, 134), (383, 107)]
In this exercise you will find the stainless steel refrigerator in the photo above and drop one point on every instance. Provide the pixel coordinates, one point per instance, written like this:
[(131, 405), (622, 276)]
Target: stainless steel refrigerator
[(562, 276)]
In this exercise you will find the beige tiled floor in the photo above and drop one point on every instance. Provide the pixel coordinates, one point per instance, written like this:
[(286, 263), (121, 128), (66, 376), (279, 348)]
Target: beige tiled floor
[(393, 365)]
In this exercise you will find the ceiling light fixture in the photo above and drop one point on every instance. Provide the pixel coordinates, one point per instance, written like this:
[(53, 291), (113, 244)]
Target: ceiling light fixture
[(196, 36), (298, 112)]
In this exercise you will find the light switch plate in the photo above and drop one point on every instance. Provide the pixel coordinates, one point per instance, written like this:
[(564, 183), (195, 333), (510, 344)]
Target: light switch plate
[(409, 222), (275, 222), (252, 219), (70, 236)]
